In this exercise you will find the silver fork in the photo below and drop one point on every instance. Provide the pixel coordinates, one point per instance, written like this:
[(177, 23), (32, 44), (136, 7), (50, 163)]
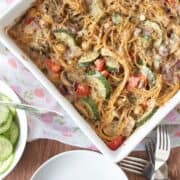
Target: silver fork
[(163, 146), (137, 165), (161, 173)]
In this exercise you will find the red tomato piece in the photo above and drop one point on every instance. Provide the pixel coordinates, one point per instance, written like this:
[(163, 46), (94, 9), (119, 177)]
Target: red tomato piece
[(28, 20), (171, 2), (100, 64), (133, 82), (105, 73), (82, 90), (53, 66), (114, 144)]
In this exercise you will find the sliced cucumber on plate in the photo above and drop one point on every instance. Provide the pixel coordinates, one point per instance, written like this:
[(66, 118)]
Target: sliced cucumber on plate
[(4, 113), (12, 133), (4, 165), (9, 133), (7, 99), (6, 148), (6, 125)]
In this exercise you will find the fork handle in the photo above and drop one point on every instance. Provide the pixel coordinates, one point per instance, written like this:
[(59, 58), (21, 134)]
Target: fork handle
[(162, 173), (149, 172)]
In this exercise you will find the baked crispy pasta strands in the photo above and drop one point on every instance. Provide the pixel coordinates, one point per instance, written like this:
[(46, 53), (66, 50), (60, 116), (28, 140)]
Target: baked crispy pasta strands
[(116, 61)]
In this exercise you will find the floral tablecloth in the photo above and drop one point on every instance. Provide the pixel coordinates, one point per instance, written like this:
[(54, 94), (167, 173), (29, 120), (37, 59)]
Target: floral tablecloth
[(49, 126)]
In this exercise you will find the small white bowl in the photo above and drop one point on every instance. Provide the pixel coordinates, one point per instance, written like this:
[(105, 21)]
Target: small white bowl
[(22, 122)]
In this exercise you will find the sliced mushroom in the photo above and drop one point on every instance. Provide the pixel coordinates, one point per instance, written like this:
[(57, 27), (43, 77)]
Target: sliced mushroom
[(171, 71), (65, 79), (129, 128), (70, 78)]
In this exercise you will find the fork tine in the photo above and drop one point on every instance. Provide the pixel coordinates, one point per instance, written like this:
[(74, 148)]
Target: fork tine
[(136, 159), (158, 138), (164, 132), (133, 166), (133, 163), (131, 170), (167, 138), (150, 150), (161, 137), (153, 145)]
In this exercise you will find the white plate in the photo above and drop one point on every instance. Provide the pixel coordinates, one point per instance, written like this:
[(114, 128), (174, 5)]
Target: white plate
[(22, 121), (7, 20), (79, 165)]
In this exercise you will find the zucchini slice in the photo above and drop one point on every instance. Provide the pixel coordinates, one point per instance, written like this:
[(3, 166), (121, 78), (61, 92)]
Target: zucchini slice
[(88, 58), (65, 37), (6, 148), (112, 65), (152, 109), (4, 114), (146, 41), (96, 8), (5, 126), (148, 73), (116, 18), (157, 29), (12, 133), (90, 107), (100, 83), (4, 165)]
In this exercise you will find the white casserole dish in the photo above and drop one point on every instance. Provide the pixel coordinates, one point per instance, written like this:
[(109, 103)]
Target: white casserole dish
[(7, 20)]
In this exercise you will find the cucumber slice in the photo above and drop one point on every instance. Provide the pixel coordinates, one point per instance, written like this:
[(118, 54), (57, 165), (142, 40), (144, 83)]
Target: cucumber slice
[(4, 113), (6, 148), (101, 84), (7, 99), (88, 58), (12, 133), (147, 115), (65, 37), (91, 107), (112, 65), (4, 165), (157, 29), (96, 8), (5, 126)]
